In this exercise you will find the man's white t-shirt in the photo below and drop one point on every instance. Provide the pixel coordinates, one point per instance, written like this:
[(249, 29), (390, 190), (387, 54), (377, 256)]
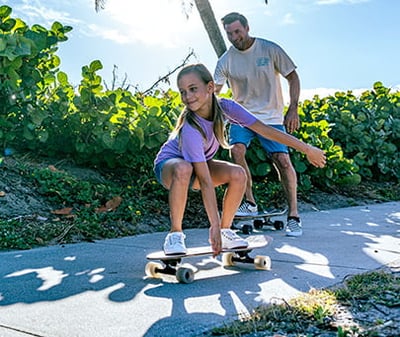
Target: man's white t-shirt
[(254, 77)]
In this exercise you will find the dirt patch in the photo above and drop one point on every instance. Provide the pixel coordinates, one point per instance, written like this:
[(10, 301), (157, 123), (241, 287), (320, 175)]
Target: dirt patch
[(20, 196)]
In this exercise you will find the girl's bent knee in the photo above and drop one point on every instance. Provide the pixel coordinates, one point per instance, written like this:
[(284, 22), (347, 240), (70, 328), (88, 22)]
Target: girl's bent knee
[(183, 171), (239, 174)]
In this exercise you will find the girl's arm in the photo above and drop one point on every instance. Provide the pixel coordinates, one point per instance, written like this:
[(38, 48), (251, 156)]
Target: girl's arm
[(314, 155), (207, 188)]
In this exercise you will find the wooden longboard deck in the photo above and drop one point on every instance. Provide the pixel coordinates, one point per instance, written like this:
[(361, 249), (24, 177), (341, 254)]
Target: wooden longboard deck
[(261, 214), (255, 241)]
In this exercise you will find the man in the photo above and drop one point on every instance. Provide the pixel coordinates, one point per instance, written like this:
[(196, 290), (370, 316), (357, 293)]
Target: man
[(252, 67)]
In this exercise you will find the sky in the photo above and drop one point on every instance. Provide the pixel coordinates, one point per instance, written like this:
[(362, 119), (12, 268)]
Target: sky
[(337, 45)]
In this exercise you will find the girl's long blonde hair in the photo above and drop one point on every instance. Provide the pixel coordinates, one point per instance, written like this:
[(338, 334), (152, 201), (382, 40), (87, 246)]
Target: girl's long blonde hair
[(217, 114)]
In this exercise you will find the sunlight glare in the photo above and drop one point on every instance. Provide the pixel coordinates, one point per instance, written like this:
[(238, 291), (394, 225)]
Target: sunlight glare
[(152, 22)]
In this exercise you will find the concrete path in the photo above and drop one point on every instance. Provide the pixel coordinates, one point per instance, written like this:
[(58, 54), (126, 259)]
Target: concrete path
[(100, 289)]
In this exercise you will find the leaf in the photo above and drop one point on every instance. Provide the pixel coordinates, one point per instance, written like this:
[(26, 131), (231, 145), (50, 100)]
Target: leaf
[(8, 25), (62, 78), (110, 205), (96, 65), (52, 168), (5, 11)]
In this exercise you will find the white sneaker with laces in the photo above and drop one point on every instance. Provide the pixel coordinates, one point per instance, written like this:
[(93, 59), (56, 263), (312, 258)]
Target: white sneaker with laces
[(293, 227), (231, 240), (246, 209), (175, 244)]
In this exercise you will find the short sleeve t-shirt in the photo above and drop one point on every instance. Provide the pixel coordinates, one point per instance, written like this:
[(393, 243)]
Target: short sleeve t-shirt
[(254, 77), (193, 147)]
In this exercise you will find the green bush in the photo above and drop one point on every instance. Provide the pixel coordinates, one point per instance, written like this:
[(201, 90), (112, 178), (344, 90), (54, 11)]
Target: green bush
[(41, 112), (367, 128)]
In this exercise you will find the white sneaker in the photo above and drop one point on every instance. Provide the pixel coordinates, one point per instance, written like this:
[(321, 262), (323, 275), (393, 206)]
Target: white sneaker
[(293, 227), (175, 244), (231, 240), (246, 209)]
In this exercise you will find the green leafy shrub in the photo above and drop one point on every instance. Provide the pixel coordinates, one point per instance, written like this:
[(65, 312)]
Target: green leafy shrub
[(28, 64), (41, 112), (367, 128)]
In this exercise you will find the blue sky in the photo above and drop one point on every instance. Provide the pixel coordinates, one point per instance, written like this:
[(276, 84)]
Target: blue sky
[(336, 44)]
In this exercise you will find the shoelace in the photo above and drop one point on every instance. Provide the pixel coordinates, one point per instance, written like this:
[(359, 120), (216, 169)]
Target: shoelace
[(293, 225), (174, 239), (231, 235), (243, 207)]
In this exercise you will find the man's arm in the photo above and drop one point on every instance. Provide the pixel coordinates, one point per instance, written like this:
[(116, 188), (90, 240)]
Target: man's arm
[(292, 121)]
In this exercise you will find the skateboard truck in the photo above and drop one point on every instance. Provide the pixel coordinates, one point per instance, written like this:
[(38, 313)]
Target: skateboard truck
[(259, 220)]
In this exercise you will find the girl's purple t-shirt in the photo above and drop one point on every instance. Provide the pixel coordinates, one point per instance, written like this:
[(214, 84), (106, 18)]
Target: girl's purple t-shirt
[(194, 148)]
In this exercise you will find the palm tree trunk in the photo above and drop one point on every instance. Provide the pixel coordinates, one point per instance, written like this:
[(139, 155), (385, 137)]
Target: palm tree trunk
[(211, 26), (99, 4)]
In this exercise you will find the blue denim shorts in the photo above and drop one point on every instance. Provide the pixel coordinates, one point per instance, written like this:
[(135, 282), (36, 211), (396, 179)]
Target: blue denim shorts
[(158, 170), (239, 134)]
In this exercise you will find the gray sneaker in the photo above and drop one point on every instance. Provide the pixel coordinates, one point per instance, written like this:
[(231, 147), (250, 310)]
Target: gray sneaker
[(175, 244), (231, 240), (293, 226), (246, 209)]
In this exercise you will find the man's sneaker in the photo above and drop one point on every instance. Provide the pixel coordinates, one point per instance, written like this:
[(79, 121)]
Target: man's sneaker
[(293, 226), (246, 209), (175, 244), (231, 240)]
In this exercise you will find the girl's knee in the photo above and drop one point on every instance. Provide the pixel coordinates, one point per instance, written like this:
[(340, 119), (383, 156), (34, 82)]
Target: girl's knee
[(239, 174), (183, 171)]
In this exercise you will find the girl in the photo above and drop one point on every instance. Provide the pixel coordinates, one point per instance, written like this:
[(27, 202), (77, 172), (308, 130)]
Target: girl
[(186, 159)]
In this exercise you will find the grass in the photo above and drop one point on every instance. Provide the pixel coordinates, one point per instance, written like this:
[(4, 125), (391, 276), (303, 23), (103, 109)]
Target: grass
[(318, 311)]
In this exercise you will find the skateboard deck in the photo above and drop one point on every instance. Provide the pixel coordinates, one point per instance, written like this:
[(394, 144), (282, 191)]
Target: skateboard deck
[(259, 220), (171, 264)]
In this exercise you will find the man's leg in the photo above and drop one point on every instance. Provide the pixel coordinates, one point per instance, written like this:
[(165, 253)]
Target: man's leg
[(240, 138), (288, 179), (238, 153)]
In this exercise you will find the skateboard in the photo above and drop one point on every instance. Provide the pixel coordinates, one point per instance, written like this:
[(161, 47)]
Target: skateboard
[(259, 220), (172, 264)]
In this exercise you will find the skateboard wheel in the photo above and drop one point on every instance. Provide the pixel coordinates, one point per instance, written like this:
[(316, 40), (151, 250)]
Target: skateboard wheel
[(258, 224), (227, 259), (184, 275), (151, 269), (247, 229), (278, 224), (262, 262)]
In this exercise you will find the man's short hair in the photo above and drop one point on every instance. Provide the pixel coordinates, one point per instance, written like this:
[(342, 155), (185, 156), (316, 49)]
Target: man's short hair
[(232, 17)]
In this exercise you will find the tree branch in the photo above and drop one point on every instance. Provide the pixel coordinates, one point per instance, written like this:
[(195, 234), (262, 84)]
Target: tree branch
[(166, 77)]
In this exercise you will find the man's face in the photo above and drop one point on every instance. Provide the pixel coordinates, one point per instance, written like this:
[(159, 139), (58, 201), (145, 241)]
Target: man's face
[(238, 35)]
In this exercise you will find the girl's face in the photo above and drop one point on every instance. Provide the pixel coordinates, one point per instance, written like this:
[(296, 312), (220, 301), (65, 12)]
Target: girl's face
[(195, 94)]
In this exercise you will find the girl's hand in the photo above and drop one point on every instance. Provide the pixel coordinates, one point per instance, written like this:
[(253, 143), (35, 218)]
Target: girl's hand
[(215, 240), (316, 156)]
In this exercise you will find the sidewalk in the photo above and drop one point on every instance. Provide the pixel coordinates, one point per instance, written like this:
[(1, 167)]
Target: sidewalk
[(100, 289)]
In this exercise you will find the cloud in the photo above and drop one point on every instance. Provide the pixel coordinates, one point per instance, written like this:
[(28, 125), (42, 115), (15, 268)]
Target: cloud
[(288, 19), (35, 12), (151, 22), (111, 34), (162, 23)]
